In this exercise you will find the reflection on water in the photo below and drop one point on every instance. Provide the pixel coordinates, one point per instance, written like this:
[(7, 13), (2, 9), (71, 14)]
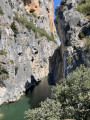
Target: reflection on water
[(1, 116), (15, 111)]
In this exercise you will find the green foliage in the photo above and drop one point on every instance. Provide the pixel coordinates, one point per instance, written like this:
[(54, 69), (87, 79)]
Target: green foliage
[(9, 1), (11, 61), (71, 99), (16, 68), (14, 28), (74, 94), (1, 11), (31, 14), (3, 72), (49, 110), (9, 16), (69, 59), (87, 42), (84, 6), (3, 52), (31, 26), (42, 32)]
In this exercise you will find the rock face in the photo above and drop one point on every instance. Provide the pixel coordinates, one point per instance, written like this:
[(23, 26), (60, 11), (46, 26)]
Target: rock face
[(75, 49), (24, 56), (42, 8)]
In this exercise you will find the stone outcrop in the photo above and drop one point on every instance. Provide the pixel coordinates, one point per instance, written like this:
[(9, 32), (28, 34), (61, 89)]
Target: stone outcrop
[(74, 49), (25, 56), (41, 8)]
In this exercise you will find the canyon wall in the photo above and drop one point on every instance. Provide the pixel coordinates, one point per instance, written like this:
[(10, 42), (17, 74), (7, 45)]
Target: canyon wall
[(26, 33), (73, 29)]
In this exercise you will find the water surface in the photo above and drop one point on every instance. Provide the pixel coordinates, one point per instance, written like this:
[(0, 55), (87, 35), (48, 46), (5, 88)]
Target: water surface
[(15, 111)]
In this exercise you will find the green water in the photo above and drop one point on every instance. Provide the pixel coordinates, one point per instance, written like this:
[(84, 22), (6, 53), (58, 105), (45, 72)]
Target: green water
[(15, 111)]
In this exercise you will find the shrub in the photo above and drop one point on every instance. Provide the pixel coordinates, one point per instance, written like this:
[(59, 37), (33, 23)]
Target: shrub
[(74, 94), (11, 61), (71, 99), (31, 14), (14, 28), (87, 42), (48, 111), (3, 52), (1, 11), (9, 16), (69, 59), (16, 69), (3, 72), (84, 6)]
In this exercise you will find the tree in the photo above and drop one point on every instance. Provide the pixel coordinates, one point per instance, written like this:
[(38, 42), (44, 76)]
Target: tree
[(49, 110), (71, 99), (74, 94)]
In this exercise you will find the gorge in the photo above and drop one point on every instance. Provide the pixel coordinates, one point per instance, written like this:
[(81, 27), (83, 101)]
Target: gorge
[(28, 45)]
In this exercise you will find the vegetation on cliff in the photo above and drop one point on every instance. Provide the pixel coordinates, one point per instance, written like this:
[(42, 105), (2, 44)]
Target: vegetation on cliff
[(84, 6), (14, 28), (71, 99), (3, 72), (31, 26), (1, 11), (3, 52)]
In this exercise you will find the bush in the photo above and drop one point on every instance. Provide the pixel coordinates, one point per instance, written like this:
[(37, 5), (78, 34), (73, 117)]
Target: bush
[(87, 42), (71, 99), (84, 7), (14, 28), (11, 61), (3, 52), (69, 59), (1, 11), (3, 72), (48, 111), (31, 26), (74, 94), (16, 69)]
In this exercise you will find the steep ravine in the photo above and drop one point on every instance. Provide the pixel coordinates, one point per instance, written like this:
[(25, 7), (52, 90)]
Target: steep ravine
[(27, 40), (71, 26)]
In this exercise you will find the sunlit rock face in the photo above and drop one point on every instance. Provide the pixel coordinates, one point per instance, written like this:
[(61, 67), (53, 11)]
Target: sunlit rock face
[(24, 57), (41, 8)]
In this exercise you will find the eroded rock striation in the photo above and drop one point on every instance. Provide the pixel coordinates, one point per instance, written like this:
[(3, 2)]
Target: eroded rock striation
[(73, 29), (26, 34)]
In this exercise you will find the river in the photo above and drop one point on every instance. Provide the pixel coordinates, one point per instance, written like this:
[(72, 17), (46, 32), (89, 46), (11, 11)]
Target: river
[(15, 111)]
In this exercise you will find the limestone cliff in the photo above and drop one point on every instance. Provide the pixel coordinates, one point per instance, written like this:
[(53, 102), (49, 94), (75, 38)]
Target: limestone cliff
[(26, 33), (73, 29)]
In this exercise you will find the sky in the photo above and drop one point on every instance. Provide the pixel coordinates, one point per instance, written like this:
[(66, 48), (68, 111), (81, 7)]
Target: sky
[(56, 2)]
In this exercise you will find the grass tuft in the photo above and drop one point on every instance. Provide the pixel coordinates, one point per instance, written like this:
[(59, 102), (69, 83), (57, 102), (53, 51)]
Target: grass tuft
[(1, 11)]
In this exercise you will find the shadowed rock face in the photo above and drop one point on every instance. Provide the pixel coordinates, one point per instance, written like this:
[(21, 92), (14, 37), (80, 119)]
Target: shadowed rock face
[(70, 25), (24, 55)]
